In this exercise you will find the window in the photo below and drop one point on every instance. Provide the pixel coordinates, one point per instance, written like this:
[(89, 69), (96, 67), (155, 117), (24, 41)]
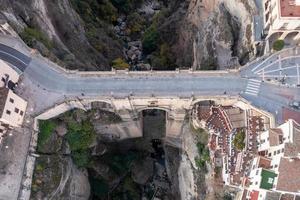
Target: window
[(17, 110), (278, 151), (270, 154), (282, 150), (274, 153), (11, 100), (257, 172), (256, 183), (8, 112), (21, 113), (275, 166)]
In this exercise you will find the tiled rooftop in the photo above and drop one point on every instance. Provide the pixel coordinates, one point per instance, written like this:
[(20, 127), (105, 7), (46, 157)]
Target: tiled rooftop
[(289, 173), (288, 8)]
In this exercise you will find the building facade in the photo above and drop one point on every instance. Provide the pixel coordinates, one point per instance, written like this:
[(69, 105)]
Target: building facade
[(8, 77), (12, 108), (281, 17), (276, 168)]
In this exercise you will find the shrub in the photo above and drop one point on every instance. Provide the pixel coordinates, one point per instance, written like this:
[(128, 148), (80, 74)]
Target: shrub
[(135, 22), (81, 158), (29, 35), (120, 64), (46, 128), (278, 45), (99, 187), (80, 135), (238, 140), (150, 39), (203, 156)]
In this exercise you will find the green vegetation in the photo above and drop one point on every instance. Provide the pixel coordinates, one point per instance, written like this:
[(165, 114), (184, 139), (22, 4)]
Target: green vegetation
[(203, 156), (126, 6), (46, 128), (203, 151), (150, 39), (120, 163), (81, 158), (136, 23), (278, 45), (30, 35), (99, 187), (80, 135), (201, 134), (120, 64), (239, 140)]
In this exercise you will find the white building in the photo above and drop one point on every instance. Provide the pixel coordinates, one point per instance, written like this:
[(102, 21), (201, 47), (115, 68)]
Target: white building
[(282, 17), (12, 108), (8, 76), (278, 169)]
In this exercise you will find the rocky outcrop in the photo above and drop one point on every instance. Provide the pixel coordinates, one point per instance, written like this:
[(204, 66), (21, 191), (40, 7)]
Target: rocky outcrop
[(59, 22), (211, 34)]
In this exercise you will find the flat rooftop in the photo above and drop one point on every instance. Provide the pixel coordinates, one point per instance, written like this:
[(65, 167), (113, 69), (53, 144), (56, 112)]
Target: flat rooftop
[(289, 8)]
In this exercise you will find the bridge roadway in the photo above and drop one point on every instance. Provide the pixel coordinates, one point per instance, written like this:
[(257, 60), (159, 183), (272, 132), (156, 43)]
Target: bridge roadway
[(51, 77)]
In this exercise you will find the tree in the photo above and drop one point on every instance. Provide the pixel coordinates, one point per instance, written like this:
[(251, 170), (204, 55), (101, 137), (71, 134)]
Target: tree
[(81, 158), (239, 140), (150, 39), (278, 45)]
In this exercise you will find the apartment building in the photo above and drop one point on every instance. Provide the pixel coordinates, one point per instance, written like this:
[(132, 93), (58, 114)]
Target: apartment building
[(12, 109), (281, 17), (276, 168)]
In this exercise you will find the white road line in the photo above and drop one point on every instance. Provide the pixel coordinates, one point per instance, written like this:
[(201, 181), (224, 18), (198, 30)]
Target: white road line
[(254, 80), (250, 93), (282, 59), (287, 76), (14, 57), (275, 70), (252, 88), (253, 83)]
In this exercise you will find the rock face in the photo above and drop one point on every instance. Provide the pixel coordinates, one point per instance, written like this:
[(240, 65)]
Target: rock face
[(206, 34), (60, 23), (210, 34), (142, 171)]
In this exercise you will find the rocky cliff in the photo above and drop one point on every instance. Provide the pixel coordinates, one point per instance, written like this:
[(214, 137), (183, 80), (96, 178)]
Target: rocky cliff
[(90, 35)]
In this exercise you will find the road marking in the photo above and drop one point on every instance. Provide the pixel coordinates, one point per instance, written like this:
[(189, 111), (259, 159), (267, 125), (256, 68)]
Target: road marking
[(275, 70), (253, 87)]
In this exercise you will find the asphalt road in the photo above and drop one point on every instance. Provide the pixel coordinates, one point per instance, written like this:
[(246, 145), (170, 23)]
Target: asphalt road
[(14, 57), (267, 96)]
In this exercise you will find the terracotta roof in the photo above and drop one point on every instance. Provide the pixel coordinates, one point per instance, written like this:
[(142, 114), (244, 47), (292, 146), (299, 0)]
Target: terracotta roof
[(254, 195), (288, 8), (289, 173), (275, 136), (264, 162), (291, 114), (287, 197), (3, 96), (293, 149)]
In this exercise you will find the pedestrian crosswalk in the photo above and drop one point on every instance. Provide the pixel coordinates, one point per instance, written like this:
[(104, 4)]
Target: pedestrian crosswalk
[(253, 87)]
